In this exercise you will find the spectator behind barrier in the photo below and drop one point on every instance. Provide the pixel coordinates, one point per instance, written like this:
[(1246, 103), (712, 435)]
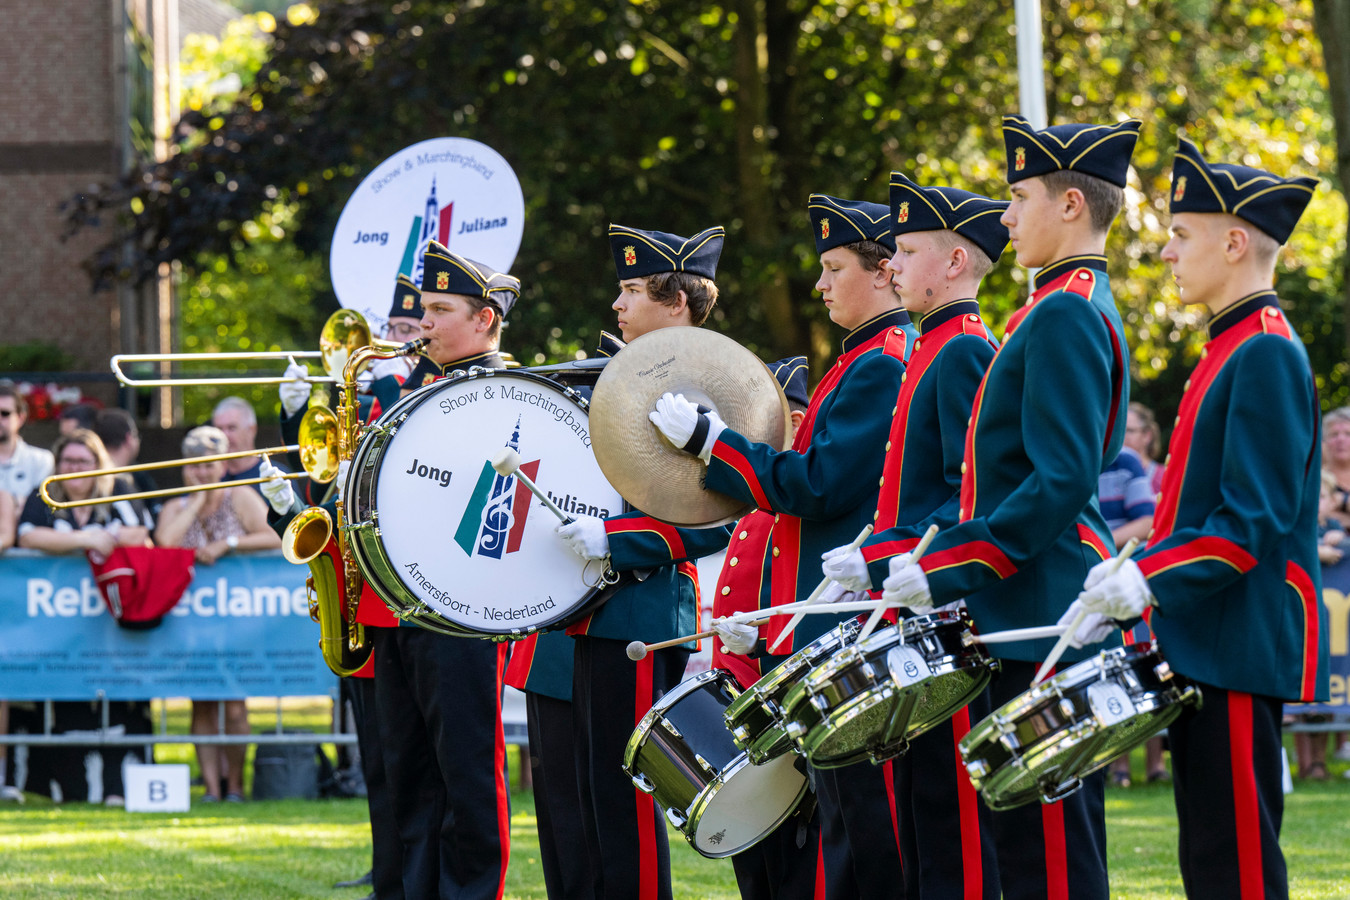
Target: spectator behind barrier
[(97, 529), (79, 415), (214, 523), (117, 429), (236, 418)]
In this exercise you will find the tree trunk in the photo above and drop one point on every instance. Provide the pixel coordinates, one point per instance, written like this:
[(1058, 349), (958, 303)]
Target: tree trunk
[(1331, 19)]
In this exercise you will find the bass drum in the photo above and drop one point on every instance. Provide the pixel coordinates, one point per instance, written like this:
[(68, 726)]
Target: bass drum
[(453, 546), (1040, 745)]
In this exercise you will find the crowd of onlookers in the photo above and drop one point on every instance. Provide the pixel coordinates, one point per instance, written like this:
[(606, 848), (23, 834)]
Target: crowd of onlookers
[(211, 523)]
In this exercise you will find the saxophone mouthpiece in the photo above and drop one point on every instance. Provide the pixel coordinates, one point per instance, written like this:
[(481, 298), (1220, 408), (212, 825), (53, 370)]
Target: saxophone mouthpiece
[(412, 347)]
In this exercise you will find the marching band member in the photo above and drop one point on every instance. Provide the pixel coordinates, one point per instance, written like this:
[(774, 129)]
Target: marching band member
[(664, 280), (437, 697), (541, 667), (1230, 582), (822, 492), (946, 241), (1049, 415), (784, 865)]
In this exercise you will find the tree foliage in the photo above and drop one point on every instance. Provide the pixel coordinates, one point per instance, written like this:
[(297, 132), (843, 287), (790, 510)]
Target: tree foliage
[(679, 115)]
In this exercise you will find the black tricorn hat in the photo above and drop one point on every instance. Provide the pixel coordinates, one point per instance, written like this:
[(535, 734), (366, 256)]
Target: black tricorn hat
[(639, 253), (973, 216), (1102, 151), (1271, 203), (446, 272), (836, 222)]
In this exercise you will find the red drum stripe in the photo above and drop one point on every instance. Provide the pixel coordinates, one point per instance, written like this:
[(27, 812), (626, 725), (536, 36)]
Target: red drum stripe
[(742, 467), (1246, 810), (645, 805), (1298, 579), (1056, 852), (1093, 540), (968, 807), (1209, 547), (503, 798), (981, 552)]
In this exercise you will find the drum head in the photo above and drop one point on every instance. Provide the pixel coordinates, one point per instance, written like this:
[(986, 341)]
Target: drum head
[(750, 802), (442, 529)]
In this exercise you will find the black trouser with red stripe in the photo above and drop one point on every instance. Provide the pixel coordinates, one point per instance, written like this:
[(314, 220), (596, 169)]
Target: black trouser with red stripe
[(625, 828), (386, 851), (861, 842), (785, 865), (439, 709), (1055, 850), (943, 817), (1227, 776), (557, 802)]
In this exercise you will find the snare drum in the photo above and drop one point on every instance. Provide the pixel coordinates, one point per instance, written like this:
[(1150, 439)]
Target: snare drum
[(869, 700), (1041, 744), (450, 544), (755, 718), (682, 754)]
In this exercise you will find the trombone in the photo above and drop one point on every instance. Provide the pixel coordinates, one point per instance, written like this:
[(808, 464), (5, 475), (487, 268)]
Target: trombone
[(318, 447), (345, 331)]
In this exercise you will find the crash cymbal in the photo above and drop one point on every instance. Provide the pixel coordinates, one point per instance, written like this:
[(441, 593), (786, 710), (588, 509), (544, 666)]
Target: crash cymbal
[(709, 369)]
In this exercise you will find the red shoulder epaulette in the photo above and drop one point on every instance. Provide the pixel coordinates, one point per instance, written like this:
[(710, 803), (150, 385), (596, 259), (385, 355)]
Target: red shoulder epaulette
[(894, 345), (973, 324), (1081, 282), (1272, 322)]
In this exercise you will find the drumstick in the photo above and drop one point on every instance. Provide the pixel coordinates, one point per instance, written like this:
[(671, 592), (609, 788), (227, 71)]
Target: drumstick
[(1013, 634), (507, 462), (1063, 643), (824, 583), (637, 650), (918, 551)]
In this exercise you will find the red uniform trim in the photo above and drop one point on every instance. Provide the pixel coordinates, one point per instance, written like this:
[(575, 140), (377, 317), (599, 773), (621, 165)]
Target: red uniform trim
[(522, 660), (888, 778), (742, 467), (883, 549), (968, 809), (1209, 547), (981, 552), (1093, 540), (1298, 579), (1246, 807), (819, 892), (667, 533), (645, 805), (1056, 851), (503, 797)]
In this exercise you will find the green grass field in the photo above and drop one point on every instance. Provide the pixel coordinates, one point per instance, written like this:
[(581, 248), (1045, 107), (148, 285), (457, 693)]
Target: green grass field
[(294, 848)]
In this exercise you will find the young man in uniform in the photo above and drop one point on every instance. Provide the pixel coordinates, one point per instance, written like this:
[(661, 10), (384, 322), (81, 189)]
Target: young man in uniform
[(946, 240), (1230, 582), (664, 280), (437, 698), (784, 864), (823, 491), (1048, 417)]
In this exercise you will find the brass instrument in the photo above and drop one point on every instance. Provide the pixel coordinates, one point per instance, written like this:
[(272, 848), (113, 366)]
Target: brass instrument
[(344, 332), (334, 584), (318, 454)]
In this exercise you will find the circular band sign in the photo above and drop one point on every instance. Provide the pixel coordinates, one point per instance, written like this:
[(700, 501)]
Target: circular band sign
[(452, 190)]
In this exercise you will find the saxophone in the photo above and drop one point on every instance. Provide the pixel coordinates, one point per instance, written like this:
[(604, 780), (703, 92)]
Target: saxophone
[(312, 537)]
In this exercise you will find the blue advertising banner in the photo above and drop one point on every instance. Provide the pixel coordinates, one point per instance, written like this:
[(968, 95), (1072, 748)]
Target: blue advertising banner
[(1336, 596), (242, 629)]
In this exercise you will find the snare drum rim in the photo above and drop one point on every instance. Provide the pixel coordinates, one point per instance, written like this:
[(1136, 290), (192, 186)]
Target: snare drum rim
[(374, 563)]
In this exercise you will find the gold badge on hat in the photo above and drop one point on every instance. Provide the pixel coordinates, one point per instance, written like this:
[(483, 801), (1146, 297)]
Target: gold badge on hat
[(442, 280), (1181, 189), (1020, 158), (630, 256), (824, 229), (428, 379), (902, 214), (407, 302)]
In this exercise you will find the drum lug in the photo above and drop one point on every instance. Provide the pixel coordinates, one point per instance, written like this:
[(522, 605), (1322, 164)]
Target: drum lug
[(740, 733), (706, 766), (677, 818), (794, 729), (1061, 791), (1066, 708), (670, 726), (820, 702), (643, 783), (1163, 670)]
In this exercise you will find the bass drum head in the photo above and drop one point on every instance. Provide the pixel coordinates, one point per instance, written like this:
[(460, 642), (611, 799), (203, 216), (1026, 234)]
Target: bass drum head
[(438, 528)]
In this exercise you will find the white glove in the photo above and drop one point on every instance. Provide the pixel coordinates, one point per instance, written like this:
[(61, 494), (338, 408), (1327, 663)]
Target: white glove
[(678, 420), (737, 637), (585, 537), (294, 394), (907, 585), (398, 366), (837, 593), (276, 489), (1121, 594), (847, 566), (1095, 628)]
